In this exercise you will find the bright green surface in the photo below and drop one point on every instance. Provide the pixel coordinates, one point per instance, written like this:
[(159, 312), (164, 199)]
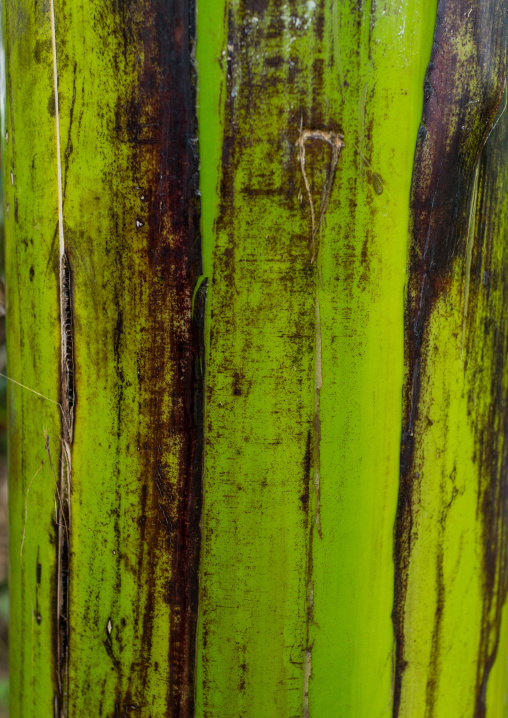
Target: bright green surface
[(119, 639), (33, 354), (263, 555), (116, 570), (292, 596), (455, 626)]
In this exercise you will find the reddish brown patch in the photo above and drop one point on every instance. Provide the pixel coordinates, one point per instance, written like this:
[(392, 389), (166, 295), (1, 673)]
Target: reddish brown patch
[(158, 121)]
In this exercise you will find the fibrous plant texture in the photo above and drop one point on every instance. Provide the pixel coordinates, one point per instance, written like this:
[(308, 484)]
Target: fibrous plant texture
[(257, 282)]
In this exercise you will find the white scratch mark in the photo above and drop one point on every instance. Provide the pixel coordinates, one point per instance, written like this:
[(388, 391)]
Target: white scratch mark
[(336, 143), (31, 390)]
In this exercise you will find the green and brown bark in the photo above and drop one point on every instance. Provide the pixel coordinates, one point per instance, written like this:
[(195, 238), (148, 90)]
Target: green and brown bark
[(126, 216), (255, 277), (463, 89)]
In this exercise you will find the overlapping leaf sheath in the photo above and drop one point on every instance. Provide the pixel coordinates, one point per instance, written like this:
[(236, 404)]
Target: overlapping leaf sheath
[(120, 190), (451, 529), (299, 599), (306, 251)]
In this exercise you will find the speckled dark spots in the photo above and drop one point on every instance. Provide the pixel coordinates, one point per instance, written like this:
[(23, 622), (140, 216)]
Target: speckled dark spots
[(118, 334), (42, 50), (364, 256), (443, 173), (51, 104), (257, 70), (157, 121), (108, 645), (237, 383), (32, 273), (307, 465)]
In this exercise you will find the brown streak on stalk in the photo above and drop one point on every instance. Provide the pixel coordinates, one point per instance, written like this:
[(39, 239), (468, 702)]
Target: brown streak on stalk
[(309, 585), (489, 300), (157, 121), (63, 522), (461, 97)]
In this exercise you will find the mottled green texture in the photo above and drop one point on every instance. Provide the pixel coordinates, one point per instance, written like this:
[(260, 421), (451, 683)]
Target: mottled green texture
[(456, 601), (127, 241), (33, 355), (451, 531), (279, 596), (457, 576), (304, 248)]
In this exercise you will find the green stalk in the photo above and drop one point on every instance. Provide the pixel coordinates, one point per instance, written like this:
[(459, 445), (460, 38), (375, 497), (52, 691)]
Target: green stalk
[(104, 600), (257, 438), (450, 533), (301, 475)]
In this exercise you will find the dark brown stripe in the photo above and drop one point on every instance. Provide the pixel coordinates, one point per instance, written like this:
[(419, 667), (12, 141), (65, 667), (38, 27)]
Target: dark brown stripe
[(155, 248), (461, 98), (63, 518), (162, 125)]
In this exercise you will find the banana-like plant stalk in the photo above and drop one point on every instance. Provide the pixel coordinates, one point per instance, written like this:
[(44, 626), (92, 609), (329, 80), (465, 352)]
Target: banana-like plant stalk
[(257, 352)]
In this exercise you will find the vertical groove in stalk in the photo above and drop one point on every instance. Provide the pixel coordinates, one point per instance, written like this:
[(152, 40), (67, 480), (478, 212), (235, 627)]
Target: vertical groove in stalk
[(63, 522), (63, 525)]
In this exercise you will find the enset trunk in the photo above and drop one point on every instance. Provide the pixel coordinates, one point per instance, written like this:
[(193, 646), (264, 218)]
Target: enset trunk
[(257, 344)]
